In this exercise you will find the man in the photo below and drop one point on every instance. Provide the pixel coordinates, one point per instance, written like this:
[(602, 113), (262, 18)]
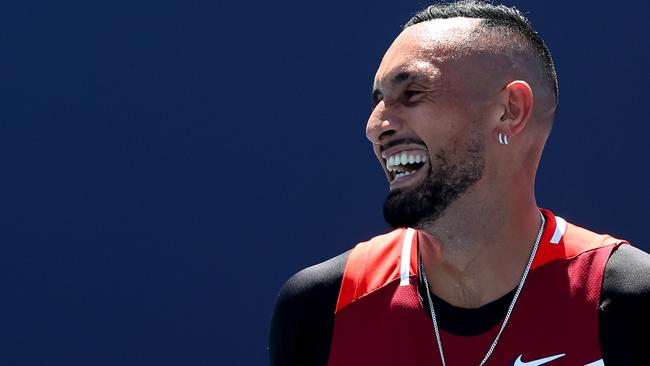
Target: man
[(464, 101)]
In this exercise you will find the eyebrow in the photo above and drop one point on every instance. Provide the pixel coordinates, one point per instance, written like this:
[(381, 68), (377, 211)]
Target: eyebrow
[(400, 78), (395, 82)]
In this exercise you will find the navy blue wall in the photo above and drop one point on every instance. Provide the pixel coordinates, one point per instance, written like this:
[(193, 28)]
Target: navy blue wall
[(166, 165)]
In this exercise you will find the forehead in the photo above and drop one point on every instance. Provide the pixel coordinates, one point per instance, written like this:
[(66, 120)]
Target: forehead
[(424, 47)]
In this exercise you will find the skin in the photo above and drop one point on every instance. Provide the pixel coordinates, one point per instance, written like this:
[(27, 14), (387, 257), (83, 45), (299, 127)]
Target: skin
[(446, 84)]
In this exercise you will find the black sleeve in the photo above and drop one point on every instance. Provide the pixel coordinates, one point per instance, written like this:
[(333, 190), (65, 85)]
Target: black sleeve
[(624, 314), (303, 318)]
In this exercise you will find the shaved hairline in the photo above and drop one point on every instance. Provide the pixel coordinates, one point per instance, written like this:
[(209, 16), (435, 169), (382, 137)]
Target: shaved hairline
[(500, 41)]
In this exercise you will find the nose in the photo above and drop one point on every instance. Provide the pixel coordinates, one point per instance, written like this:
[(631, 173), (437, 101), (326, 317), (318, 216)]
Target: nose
[(380, 124)]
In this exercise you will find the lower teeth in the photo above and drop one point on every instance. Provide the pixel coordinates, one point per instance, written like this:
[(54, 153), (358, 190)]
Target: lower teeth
[(399, 175)]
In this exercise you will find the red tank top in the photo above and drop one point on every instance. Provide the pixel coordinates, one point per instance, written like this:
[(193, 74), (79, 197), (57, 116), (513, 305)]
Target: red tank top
[(379, 319)]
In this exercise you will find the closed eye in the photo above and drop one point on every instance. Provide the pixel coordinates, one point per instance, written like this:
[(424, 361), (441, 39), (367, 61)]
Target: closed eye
[(412, 93), (412, 96), (409, 96)]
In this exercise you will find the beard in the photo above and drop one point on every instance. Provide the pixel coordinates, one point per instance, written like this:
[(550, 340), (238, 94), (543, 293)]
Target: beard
[(417, 206)]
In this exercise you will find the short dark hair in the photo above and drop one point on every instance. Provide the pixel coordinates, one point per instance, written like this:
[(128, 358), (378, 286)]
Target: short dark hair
[(494, 16)]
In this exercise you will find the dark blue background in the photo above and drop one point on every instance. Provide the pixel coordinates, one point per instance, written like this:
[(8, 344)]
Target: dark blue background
[(167, 165)]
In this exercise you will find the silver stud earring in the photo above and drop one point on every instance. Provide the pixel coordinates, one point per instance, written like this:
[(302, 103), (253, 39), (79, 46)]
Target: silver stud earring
[(503, 138)]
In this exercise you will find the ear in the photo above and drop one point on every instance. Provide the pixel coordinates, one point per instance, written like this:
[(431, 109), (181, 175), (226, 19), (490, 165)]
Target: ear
[(518, 107)]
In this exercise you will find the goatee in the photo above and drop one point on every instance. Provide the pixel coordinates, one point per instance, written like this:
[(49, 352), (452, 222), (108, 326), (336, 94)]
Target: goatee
[(425, 203)]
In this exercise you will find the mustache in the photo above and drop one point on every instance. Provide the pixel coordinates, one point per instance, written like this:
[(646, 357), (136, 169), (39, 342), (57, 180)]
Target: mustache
[(402, 141)]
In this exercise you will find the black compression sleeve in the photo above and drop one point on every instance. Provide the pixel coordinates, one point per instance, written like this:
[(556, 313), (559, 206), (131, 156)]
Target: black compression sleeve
[(303, 318), (624, 321)]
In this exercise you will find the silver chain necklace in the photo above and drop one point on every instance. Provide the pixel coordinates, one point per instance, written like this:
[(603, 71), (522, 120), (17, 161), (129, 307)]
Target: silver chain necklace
[(512, 304)]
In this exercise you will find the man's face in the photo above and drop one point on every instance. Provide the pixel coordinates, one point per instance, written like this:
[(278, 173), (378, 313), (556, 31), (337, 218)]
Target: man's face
[(426, 125)]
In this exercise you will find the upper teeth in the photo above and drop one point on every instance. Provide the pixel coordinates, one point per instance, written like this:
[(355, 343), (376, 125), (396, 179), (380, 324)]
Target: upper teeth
[(405, 158)]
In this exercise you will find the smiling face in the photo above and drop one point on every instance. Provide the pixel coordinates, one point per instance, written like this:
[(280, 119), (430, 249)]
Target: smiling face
[(429, 124)]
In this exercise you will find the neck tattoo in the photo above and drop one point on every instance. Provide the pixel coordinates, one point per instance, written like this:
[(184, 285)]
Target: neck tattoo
[(512, 303)]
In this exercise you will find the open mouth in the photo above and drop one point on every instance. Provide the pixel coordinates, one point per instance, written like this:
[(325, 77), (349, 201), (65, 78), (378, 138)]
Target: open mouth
[(405, 163)]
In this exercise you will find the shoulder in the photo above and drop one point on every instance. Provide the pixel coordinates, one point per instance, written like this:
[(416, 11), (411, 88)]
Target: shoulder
[(312, 281), (625, 300), (627, 273), (626, 284), (303, 317)]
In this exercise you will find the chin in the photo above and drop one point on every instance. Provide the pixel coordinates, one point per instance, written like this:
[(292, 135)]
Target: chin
[(424, 203)]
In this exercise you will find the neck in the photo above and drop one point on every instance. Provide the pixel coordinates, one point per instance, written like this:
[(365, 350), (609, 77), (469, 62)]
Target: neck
[(474, 254)]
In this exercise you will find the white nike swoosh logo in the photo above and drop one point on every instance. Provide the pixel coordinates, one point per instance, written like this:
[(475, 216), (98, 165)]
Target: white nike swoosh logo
[(541, 361)]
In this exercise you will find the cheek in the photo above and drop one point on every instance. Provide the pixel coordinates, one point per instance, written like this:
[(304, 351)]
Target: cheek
[(436, 129), (465, 138), (450, 130)]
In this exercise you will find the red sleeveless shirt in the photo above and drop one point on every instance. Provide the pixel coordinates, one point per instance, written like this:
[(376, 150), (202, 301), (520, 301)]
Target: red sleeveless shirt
[(379, 319)]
